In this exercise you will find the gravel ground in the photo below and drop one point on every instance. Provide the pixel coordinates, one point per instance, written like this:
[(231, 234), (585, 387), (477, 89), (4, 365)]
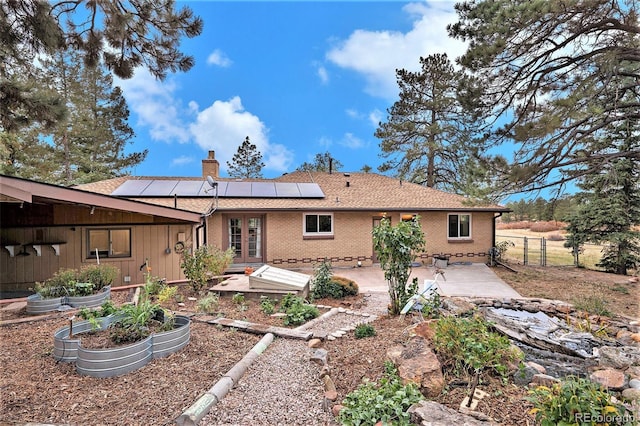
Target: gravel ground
[(262, 397)]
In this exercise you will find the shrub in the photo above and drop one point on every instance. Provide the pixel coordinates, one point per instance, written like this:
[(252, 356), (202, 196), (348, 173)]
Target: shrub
[(209, 304), (571, 400), (555, 237), (594, 304), (134, 324), (267, 306), (298, 312), (387, 402), (321, 282), (364, 330), (100, 275), (204, 262), (467, 345), (167, 293), (545, 226), (348, 287), (58, 285), (153, 285)]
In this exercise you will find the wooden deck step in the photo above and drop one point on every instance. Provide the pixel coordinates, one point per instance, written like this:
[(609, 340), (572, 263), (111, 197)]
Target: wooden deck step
[(262, 329)]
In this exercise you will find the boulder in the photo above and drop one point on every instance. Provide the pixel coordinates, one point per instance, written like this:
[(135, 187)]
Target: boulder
[(418, 364), (320, 357), (430, 413), (619, 357), (631, 395), (314, 343), (458, 306), (424, 329), (544, 380), (609, 378)]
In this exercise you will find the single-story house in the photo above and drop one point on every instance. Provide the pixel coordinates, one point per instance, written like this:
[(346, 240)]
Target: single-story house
[(291, 221)]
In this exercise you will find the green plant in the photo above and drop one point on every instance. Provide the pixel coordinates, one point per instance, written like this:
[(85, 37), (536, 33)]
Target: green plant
[(133, 325), (298, 312), (364, 330), (397, 248), (386, 402), (101, 275), (209, 304), (238, 299), (167, 293), (593, 304), (431, 304), (467, 345), (267, 306), (204, 262), (80, 289), (152, 285), (575, 401), (58, 285), (107, 308), (620, 288), (321, 285)]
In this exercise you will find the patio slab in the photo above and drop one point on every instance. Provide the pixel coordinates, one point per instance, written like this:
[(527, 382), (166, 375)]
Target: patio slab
[(468, 280)]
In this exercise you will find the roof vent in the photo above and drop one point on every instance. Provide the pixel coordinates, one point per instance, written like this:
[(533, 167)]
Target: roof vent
[(347, 174)]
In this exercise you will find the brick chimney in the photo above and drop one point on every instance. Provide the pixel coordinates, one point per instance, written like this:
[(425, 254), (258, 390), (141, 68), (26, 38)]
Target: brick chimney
[(210, 166)]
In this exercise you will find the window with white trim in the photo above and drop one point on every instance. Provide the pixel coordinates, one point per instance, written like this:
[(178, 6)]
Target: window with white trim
[(317, 224), (109, 242), (459, 226)]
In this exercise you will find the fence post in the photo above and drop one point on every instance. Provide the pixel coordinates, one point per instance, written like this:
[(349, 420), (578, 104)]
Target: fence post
[(543, 252), (526, 251)]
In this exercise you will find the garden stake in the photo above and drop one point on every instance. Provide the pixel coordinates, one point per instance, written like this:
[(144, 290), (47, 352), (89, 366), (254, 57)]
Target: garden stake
[(71, 326)]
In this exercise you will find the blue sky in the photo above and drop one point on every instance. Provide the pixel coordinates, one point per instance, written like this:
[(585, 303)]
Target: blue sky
[(297, 77)]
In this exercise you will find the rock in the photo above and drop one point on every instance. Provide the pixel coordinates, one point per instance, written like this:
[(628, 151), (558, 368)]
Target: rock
[(634, 383), (621, 357), (539, 368), (335, 410), (278, 315), (330, 337), (631, 394), (458, 306), (192, 299), (635, 337), (320, 356), (423, 329), (633, 372), (328, 384), (430, 413), (609, 378), (544, 380), (524, 376), (326, 370), (314, 343), (331, 395), (418, 364)]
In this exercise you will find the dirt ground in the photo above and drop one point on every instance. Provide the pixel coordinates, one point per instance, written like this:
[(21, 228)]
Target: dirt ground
[(36, 388)]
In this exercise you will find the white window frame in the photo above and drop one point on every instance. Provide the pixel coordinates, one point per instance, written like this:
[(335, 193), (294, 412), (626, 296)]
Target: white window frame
[(458, 237), (318, 233)]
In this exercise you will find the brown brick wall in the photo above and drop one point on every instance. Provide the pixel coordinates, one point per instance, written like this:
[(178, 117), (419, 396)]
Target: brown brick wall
[(352, 241)]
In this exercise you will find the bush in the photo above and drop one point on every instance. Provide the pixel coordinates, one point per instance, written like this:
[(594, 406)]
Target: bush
[(387, 402), (298, 312), (101, 276), (596, 305), (153, 285), (571, 400), (204, 262), (555, 237), (364, 330), (321, 282), (209, 304), (58, 285), (548, 226), (467, 345), (348, 287), (167, 293)]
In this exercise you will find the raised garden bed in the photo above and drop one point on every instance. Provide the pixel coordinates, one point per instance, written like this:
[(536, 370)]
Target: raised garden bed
[(36, 305), (119, 360)]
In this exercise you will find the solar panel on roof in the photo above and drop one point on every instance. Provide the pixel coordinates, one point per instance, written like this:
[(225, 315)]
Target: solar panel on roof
[(263, 190), (310, 190), (160, 188), (131, 187), (287, 190), (188, 188), (238, 189)]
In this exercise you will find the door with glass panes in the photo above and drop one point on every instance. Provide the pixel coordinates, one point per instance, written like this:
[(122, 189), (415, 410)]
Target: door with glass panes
[(245, 236)]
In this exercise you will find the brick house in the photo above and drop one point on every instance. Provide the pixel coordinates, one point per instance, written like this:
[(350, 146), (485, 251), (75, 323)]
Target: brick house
[(291, 222)]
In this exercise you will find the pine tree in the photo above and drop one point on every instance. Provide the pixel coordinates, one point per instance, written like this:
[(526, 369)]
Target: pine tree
[(430, 135), (247, 161), (323, 162), (609, 204)]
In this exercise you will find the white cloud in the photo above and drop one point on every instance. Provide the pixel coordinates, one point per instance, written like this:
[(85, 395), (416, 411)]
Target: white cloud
[(325, 142), (224, 125), (375, 117), (349, 140), (377, 54), (352, 113), (323, 74), (181, 161), (155, 105), (219, 58)]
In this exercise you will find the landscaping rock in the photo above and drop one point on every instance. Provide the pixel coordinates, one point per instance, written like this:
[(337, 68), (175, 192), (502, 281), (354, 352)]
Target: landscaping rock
[(619, 357), (539, 368), (609, 378), (631, 394), (423, 329), (524, 376), (430, 413), (418, 364), (544, 380), (633, 372), (314, 343), (458, 306), (634, 383), (335, 410), (320, 357)]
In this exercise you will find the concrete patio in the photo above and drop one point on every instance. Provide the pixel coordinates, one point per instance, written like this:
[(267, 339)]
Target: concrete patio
[(469, 279)]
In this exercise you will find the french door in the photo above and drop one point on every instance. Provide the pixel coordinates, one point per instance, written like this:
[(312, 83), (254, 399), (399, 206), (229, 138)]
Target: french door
[(245, 236)]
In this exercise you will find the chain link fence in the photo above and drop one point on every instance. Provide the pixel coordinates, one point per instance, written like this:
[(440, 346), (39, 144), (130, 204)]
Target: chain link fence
[(542, 251)]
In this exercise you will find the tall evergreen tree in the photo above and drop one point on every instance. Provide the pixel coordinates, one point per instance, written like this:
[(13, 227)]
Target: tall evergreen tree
[(430, 133), (122, 35), (552, 70), (323, 162), (609, 207), (247, 161)]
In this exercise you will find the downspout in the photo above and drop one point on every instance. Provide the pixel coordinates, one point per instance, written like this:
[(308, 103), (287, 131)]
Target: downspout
[(493, 235), (212, 208)]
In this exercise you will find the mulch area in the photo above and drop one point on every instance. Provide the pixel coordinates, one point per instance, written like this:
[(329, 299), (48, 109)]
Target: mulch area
[(36, 388)]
